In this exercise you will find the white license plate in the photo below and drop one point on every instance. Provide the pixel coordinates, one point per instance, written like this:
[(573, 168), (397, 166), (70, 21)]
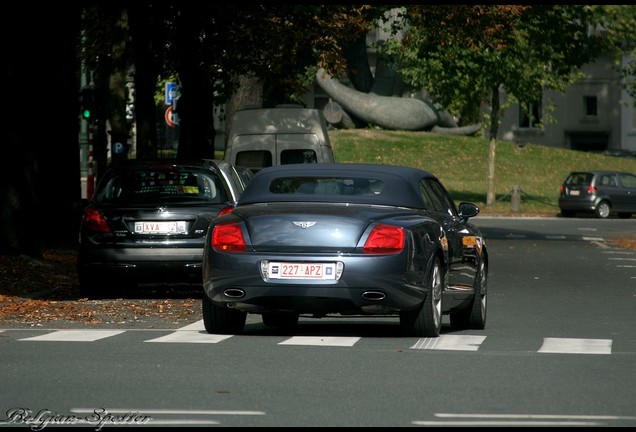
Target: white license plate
[(172, 227), (575, 193), (291, 270)]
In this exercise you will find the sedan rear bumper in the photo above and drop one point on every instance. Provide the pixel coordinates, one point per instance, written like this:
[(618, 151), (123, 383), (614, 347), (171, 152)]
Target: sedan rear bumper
[(145, 264), (320, 301), (369, 285)]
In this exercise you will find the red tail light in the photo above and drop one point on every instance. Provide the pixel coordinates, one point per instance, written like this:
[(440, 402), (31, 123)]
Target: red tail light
[(591, 189), (228, 237), (384, 239), (95, 221), (561, 188)]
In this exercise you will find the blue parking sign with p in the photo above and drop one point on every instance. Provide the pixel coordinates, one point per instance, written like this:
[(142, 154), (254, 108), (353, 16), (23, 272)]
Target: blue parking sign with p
[(171, 91)]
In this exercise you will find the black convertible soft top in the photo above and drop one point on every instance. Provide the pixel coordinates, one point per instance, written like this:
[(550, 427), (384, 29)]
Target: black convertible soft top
[(400, 185)]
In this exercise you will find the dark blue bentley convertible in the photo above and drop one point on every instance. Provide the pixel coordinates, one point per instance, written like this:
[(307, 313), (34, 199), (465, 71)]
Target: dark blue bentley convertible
[(351, 239)]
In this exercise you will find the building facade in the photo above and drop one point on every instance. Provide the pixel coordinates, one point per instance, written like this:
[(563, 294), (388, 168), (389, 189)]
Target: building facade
[(594, 114)]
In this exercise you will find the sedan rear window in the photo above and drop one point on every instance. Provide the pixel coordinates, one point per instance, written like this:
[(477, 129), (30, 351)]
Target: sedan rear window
[(153, 184)]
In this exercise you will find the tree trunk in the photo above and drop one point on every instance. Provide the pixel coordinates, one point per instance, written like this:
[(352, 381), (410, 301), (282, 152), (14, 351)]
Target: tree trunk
[(39, 181), (492, 146), (249, 92), (140, 21), (98, 125), (359, 71), (196, 103)]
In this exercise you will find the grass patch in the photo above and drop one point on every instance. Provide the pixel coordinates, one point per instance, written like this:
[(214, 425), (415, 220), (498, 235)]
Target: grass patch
[(461, 163)]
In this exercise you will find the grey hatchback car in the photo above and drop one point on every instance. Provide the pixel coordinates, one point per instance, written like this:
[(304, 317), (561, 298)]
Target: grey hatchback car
[(601, 193)]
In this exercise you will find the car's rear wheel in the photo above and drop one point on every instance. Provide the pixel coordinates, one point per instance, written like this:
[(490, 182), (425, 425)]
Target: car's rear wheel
[(474, 317), (603, 210), (222, 320), (426, 319), (280, 319)]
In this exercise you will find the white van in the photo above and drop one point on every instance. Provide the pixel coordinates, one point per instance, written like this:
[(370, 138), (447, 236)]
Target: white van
[(261, 137)]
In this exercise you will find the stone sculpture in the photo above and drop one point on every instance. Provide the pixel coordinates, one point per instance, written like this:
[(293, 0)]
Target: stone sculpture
[(388, 112)]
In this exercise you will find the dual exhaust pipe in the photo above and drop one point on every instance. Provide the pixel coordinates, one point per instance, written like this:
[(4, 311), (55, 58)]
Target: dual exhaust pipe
[(236, 293)]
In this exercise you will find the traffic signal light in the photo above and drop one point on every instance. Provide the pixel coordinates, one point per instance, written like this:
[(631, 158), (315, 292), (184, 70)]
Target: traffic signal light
[(87, 102)]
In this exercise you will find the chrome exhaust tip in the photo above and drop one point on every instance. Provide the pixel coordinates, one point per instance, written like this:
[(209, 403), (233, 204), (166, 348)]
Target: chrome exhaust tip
[(373, 295), (234, 293)]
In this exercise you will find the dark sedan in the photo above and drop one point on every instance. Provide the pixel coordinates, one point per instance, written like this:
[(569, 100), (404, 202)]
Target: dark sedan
[(147, 222), (349, 239)]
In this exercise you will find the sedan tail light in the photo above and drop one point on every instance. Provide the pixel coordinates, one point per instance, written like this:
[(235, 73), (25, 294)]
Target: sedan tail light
[(384, 239), (95, 221), (228, 237)]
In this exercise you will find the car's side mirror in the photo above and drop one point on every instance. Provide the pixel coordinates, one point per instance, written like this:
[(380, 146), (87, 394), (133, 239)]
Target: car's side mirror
[(467, 210)]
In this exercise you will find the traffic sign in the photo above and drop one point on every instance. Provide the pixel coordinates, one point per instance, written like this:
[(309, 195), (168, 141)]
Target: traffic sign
[(171, 118), (118, 148), (171, 92)]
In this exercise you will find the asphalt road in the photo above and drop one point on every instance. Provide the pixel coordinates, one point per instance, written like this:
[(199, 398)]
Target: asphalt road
[(559, 349)]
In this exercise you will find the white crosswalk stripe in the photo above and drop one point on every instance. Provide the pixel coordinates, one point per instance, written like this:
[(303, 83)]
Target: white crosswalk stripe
[(576, 346), (321, 341), (190, 336), (450, 342), (74, 335), (195, 334)]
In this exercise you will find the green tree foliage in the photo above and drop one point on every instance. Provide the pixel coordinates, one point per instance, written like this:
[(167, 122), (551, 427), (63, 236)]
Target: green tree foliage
[(617, 24), (466, 55), (277, 47), (208, 47)]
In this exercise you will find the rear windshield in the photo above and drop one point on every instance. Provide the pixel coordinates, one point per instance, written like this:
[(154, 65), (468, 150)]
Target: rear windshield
[(579, 179), (293, 156), (327, 186), (163, 183)]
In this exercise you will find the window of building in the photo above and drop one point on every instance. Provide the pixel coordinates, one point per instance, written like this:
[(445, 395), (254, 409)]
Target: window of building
[(530, 114), (590, 104)]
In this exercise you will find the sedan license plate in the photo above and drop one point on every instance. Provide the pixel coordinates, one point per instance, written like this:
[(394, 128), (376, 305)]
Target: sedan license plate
[(171, 227), (291, 270)]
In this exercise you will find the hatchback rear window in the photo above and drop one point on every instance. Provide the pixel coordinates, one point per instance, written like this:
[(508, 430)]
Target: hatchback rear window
[(579, 179)]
